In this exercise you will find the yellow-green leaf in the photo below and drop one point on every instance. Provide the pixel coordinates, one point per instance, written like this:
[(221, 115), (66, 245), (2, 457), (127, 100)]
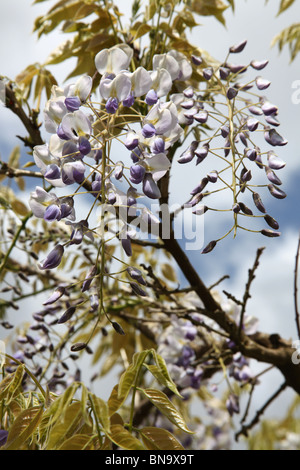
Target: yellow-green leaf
[(114, 401), (10, 384), (159, 439), (143, 29), (14, 157), (77, 442), (102, 411), (168, 272), (65, 426), (122, 438), (128, 378), (19, 207), (166, 407), (23, 427)]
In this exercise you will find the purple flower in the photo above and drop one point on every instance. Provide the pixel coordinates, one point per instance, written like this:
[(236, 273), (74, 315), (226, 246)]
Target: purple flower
[(148, 131), (136, 274), (52, 212), (132, 140), (57, 294), (129, 101), (272, 176), (158, 145), (231, 93), (151, 97), (84, 146), (53, 259), (258, 202), (137, 173), (259, 65), (72, 103), (79, 230), (238, 47), (232, 404), (251, 154), (150, 188), (136, 288), (187, 354), (200, 186), (275, 139), (3, 437), (126, 244), (269, 108), (207, 73), (52, 172), (112, 105), (262, 83), (118, 173), (73, 172), (274, 162), (89, 279), (201, 116)]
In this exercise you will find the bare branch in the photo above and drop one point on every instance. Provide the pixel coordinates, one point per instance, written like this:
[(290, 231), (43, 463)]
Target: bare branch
[(246, 428)]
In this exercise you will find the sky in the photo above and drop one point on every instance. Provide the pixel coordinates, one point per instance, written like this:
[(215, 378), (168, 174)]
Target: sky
[(272, 292)]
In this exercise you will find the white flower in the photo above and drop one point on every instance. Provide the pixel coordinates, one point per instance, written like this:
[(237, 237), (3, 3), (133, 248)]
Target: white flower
[(82, 88), (113, 60), (167, 62), (141, 81), (118, 87)]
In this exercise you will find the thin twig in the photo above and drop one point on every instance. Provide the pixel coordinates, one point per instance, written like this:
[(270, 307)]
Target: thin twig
[(297, 314), (251, 277), (246, 428), (218, 282)]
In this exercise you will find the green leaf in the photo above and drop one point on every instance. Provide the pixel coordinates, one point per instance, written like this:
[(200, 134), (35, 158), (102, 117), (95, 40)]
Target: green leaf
[(77, 442), (10, 384), (115, 401), (14, 158), (23, 427), (166, 407), (143, 29), (210, 8), (65, 426), (128, 378), (284, 5), (159, 439), (168, 272), (151, 9), (122, 438), (102, 411), (162, 373)]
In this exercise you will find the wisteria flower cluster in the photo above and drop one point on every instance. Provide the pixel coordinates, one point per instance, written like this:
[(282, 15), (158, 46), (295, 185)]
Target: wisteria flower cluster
[(149, 112)]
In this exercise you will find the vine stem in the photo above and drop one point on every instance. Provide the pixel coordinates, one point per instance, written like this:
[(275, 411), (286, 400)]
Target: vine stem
[(231, 138), (15, 239)]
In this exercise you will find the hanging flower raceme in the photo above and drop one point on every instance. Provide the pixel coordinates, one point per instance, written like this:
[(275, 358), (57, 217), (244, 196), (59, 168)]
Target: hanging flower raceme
[(149, 113)]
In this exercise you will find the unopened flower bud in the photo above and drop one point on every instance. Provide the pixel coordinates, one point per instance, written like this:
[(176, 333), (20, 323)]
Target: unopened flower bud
[(118, 328), (209, 247), (238, 47), (259, 65), (276, 192), (137, 289), (271, 222), (57, 294), (67, 315), (53, 259), (270, 233), (258, 202)]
